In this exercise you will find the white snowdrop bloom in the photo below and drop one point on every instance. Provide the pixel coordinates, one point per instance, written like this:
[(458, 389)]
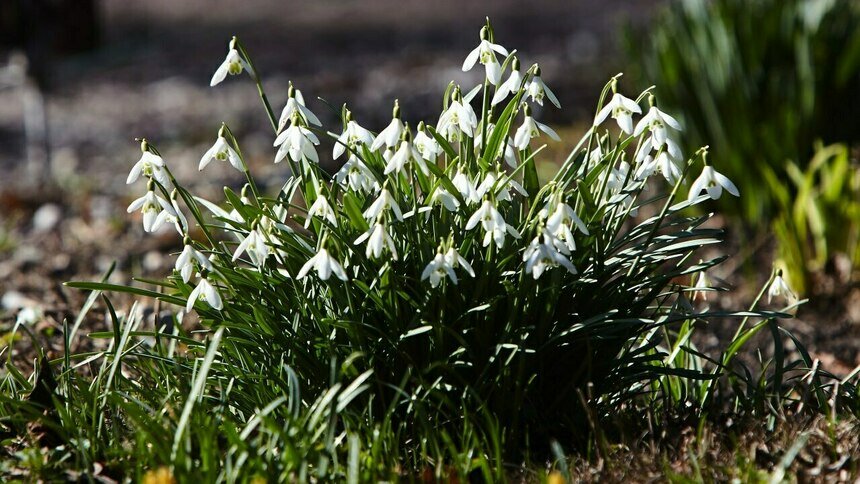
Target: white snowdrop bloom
[(713, 182), (296, 107), (510, 156), (669, 146), (152, 206), (646, 167), (455, 260), (467, 188), (256, 247), (510, 86), (443, 264), (352, 137), (539, 256), (297, 141), (702, 287), (561, 224), (378, 241), (437, 269), (221, 151), (427, 145), (405, 154), (324, 264), (617, 184), (449, 201), (621, 108), (669, 167), (204, 292), (485, 53), (357, 176), (499, 184), (321, 208), (383, 202), (779, 288), (389, 136), (187, 258), (493, 223), (657, 122), (458, 118), (152, 166), (176, 217), (233, 64), (537, 90), (531, 129)]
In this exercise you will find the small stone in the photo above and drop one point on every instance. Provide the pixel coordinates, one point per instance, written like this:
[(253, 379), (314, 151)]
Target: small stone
[(47, 217)]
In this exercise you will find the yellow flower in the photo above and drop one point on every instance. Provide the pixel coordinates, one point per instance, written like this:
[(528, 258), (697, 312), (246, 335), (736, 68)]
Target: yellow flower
[(162, 475)]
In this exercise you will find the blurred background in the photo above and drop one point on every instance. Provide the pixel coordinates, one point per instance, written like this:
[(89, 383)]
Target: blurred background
[(773, 86)]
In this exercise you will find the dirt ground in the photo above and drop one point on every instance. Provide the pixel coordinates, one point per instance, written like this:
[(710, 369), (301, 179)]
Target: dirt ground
[(67, 221)]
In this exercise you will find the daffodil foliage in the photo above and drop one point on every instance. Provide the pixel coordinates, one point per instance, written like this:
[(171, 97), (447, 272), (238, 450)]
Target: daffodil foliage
[(437, 269)]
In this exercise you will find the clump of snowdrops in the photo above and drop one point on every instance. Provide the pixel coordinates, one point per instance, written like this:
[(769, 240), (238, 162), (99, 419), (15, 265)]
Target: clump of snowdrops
[(433, 296)]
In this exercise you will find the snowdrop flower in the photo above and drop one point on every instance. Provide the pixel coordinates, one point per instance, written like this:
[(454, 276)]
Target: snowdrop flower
[(297, 141), (427, 144), (357, 176), (713, 182), (406, 153), (657, 122), (324, 264), (466, 187), (443, 264), (539, 256), (616, 183), (389, 136), (537, 90), (352, 137), (378, 240), (437, 269), (204, 292), (176, 217), (485, 54), (150, 165), (499, 184), (222, 151), (255, 245), (383, 202), (233, 64), (622, 109), (321, 208), (701, 287), (779, 288), (561, 223), (185, 262), (455, 260), (510, 156), (449, 201), (296, 107), (493, 223), (531, 129), (458, 118), (152, 206), (510, 86)]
